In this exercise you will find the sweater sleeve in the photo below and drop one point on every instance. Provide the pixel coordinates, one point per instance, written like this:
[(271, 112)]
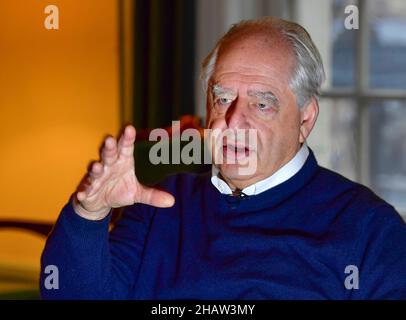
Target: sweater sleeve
[(383, 264), (92, 263)]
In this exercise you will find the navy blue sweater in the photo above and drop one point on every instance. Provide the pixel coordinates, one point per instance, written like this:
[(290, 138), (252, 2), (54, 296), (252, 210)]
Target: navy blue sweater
[(293, 241)]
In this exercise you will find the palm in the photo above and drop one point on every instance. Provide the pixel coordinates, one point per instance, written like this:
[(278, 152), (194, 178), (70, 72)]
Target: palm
[(116, 188), (112, 183)]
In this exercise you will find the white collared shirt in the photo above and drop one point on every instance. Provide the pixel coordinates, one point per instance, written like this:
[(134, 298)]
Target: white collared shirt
[(281, 175)]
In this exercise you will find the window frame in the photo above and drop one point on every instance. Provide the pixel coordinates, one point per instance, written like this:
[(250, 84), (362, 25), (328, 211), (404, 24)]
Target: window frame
[(363, 95)]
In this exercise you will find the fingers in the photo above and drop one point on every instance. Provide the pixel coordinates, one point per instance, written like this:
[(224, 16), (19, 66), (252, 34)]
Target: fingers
[(83, 187), (155, 197), (109, 152), (124, 148), (96, 171), (81, 196), (126, 142)]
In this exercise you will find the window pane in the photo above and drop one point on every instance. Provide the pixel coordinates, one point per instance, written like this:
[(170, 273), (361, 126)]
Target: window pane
[(387, 43), (333, 139), (324, 20), (388, 151), (343, 73)]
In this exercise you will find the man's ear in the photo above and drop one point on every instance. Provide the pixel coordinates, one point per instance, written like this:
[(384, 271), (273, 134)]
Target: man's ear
[(308, 117)]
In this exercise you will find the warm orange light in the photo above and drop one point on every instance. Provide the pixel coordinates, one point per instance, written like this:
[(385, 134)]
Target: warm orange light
[(59, 95)]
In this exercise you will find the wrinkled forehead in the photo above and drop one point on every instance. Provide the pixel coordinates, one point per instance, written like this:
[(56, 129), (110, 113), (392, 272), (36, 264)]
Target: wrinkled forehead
[(262, 35), (256, 58), (268, 40)]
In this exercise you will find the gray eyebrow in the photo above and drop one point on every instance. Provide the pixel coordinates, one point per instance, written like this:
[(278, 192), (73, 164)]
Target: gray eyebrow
[(264, 95), (219, 90)]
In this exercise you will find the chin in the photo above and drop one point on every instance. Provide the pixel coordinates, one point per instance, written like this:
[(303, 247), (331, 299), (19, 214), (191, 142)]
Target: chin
[(234, 172)]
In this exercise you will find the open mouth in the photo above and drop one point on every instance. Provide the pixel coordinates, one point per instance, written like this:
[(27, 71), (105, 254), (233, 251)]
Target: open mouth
[(235, 151)]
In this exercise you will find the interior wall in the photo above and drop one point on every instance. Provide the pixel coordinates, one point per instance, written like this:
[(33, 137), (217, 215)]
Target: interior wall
[(59, 96)]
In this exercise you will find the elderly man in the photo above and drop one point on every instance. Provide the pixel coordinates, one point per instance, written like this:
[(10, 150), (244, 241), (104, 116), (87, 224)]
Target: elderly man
[(289, 230)]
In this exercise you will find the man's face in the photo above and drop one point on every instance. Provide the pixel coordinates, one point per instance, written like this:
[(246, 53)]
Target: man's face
[(250, 90)]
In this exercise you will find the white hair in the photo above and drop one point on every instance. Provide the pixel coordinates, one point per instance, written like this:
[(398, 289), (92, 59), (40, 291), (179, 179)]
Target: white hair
[(308, 74)]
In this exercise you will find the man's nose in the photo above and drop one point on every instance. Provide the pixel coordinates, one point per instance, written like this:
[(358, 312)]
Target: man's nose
[(236, 116)]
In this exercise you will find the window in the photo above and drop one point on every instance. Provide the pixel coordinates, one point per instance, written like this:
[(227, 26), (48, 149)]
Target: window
[(361, 131)]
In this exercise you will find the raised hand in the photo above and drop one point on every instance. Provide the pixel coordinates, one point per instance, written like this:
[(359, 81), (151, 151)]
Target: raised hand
[(112, 183)]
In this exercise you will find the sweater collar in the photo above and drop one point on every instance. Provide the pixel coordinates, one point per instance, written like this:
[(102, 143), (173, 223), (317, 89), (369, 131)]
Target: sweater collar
[(271, 197)]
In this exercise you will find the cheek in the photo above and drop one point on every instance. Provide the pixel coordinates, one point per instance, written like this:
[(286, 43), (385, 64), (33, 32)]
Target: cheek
[(289, 122), (273, 136), (265, 139), (215, 122)]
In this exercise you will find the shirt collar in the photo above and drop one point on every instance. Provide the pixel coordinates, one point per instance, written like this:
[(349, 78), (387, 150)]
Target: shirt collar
[(281, 175)]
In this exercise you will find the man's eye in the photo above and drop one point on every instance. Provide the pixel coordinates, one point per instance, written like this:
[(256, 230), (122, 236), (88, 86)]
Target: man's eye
[(263, 106), (224, 101)]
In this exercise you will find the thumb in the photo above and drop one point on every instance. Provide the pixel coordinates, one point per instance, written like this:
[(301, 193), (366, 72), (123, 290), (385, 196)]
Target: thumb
[(155, 197)]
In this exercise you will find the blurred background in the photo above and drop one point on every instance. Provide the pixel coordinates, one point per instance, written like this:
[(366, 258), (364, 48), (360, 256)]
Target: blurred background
[(117, 61)]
